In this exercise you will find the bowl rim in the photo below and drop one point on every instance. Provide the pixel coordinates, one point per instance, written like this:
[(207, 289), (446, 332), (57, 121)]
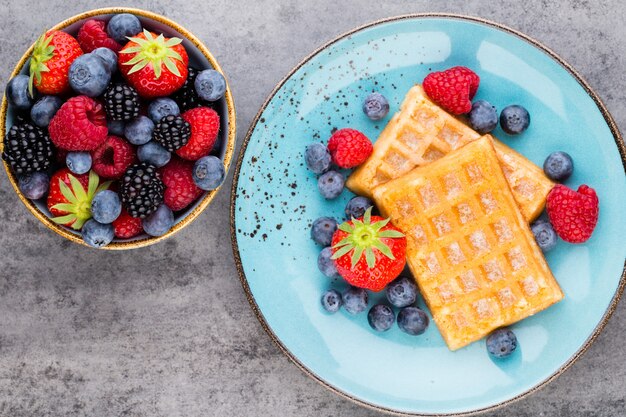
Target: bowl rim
[(229, 146), (621, 147)]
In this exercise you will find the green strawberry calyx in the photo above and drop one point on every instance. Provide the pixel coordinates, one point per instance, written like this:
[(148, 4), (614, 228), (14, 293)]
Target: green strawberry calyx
[(42, 53), (78, 206), (155, 50), (363, 236)]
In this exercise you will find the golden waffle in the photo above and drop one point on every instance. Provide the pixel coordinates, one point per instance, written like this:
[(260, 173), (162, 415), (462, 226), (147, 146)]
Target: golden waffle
[(469, 247), (421, 132)]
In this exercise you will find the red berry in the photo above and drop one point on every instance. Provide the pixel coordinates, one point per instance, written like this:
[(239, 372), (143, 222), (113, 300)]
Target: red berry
[(147, 60), (205, 125), (70, 203), (93, 35), (127, 226), (111, 159), (79, 125), (453, 89), (180, 189), (369, 253), (53, 54), (573, 214), (349, 148)]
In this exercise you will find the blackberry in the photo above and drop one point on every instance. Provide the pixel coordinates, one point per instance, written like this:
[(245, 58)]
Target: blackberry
[(141, 190), (172, 132), (27, 149), (186, 96), (121, 102)]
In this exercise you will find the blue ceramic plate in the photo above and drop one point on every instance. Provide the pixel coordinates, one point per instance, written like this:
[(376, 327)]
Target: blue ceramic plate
[(275, 199)]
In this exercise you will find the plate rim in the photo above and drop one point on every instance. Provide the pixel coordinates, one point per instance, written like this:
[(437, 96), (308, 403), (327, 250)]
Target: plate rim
[(619, 141)]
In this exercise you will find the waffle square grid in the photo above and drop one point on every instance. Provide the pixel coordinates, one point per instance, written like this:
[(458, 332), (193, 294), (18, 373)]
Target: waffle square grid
[(468, 245), (421, 133)]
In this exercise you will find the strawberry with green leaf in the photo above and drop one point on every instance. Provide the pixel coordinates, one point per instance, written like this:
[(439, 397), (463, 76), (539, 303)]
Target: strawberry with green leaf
[(369, 252), (50, 62), (155, 66), (70, 195)]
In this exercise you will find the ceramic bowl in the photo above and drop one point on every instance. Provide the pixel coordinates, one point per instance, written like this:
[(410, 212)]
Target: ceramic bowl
[(199, 57)]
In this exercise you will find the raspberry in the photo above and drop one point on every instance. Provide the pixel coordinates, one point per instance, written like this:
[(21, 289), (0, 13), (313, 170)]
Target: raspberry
[(573, 214), (113, 157), (180, 189), (205, 125), (349, 148), (126, 226), (93, 35), (79, 125), (452, 89)]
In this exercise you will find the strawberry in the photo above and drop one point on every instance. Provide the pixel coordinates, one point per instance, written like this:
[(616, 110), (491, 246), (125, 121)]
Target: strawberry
[(155, 66), (369, 252), (79, 125), (205, 125), (113, 157), (93, 35), (180, 189), (453, 89), (349, 148), (573, 214), (53, 53), (70, 195), (127, 226)]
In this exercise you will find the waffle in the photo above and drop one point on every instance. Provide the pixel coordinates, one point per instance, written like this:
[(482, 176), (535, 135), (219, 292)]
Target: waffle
[(421, 132), (468, 245)]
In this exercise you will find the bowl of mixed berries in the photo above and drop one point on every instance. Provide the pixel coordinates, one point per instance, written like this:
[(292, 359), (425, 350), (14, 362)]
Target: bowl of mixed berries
[(119, 128)]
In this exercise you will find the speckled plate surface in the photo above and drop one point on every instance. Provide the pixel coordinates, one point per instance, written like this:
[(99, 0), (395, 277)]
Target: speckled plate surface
[(275, 200)]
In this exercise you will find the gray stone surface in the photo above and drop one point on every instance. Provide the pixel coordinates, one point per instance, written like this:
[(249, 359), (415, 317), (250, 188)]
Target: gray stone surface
[(166, 330)]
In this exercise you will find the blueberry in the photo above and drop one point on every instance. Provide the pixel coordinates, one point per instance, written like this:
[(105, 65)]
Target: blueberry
[(108, 57), (356, 207), (78, 162), (558, 166), (330, 184), (116, 127), (354, 300), (159, 222), (483, 117), (381, 317), (331, 301), (106, 206), (501, 343), (17, 92), (139, 130), (34, 186), (322, 230), (208, 172), (44, 110), (154, 153), (122, 26), (375, 106), (89, 75), (514, 119), (544, 234), (325, 264), (162, 107), (317, 158), (210, 85), (97, 234), (402, 292), (412, 320)]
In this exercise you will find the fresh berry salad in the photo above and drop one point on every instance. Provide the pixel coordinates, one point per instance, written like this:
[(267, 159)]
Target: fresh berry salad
[(369, 253), (114, 131)]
